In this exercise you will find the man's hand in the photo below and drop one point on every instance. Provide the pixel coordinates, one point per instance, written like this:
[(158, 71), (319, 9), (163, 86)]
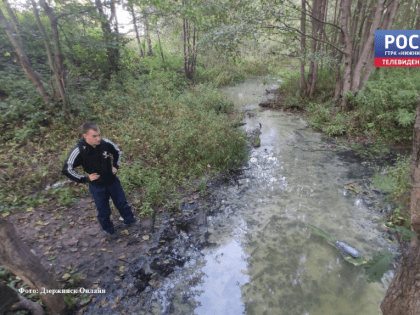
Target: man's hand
[(114, 170), (93, 176)]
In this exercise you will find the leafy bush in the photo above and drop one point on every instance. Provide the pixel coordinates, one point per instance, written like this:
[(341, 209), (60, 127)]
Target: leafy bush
[(385, 109), (396, 181)]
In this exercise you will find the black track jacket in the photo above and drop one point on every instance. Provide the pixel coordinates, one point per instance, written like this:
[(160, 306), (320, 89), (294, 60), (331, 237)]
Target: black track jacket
[(93, 160)]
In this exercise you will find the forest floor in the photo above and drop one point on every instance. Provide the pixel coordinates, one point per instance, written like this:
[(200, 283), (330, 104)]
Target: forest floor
[(69, 240)]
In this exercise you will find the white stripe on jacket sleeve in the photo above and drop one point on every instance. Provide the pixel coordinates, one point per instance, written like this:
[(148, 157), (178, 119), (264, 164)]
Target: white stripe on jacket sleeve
[(70, 163), (116, 148)]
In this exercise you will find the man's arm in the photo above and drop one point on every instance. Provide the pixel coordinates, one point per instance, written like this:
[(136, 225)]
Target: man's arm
[(115, 151), (73, 161)]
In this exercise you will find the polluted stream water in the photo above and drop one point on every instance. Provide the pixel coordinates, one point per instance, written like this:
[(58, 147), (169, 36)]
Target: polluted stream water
[(255, 254), (263, 258)]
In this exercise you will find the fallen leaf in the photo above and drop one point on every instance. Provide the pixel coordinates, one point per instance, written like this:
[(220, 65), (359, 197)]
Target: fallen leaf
[(110, 251), (166, 261), (122, 268), (117, 279), (145, 237), (162, 241), (192, 201), (91, 254), (113, 307), (82, 277), (66, 276), (104, 303), (58, 217), (38, 222), (73, 250), (121, 219), (103, 249), (5, 214), (159, 250), (48, 247), (122, 257), (171, 219), (125, 232), (29, 209)]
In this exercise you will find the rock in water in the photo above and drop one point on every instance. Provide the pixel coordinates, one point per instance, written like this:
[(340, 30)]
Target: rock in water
[(343, 247)]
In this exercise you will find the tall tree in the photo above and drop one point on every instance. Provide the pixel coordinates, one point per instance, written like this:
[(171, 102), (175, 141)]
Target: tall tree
[(57, 63), (403, 295), (190, 37), (111, 38), (23, 58), (147, 32), (133, 14)]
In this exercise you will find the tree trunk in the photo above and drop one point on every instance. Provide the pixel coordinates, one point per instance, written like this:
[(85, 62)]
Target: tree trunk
[(112, 51), (137, 30), (315, 27), (160, 47), (303, 49), (348, 46), (403, 295), (23, 59), (189, 49), (54, 67), (361, 63), (338, 78), (25, 304), (17, 257), (8, 297), (147, 35)]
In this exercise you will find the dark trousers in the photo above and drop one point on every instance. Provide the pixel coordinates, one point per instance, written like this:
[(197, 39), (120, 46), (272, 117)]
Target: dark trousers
[(101, 196)]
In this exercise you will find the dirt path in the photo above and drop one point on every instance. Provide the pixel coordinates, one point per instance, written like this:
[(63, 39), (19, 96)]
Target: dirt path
[(67, 239)]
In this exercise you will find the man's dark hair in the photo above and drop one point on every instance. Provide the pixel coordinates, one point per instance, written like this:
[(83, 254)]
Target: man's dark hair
[(87, 126)]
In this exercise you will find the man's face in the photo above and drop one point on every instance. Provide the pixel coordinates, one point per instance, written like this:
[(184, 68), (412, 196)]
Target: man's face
[(93, 137)]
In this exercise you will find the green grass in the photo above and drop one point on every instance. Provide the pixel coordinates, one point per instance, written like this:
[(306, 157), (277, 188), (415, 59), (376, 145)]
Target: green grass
[(171, 131), (395, 181)]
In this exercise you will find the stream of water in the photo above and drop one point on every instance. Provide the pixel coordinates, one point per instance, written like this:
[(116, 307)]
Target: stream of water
[(266, 260)]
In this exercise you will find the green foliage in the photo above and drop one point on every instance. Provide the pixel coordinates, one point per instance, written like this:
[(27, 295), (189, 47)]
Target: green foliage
[(378, 266), (321, 233), (384, 109), (395, 181), (403, 233)]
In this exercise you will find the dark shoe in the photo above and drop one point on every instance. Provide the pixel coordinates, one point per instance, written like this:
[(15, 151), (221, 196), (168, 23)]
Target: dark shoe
[(113, 235), (135, 223)]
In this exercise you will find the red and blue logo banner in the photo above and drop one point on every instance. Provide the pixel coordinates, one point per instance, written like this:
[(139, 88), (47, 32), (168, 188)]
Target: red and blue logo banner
[(397, 48)]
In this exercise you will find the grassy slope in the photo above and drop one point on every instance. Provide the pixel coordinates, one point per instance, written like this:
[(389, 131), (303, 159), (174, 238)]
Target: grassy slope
[(173, 132)]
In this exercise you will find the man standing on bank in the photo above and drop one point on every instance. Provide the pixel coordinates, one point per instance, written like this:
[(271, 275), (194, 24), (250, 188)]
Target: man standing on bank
[(92, 153)]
